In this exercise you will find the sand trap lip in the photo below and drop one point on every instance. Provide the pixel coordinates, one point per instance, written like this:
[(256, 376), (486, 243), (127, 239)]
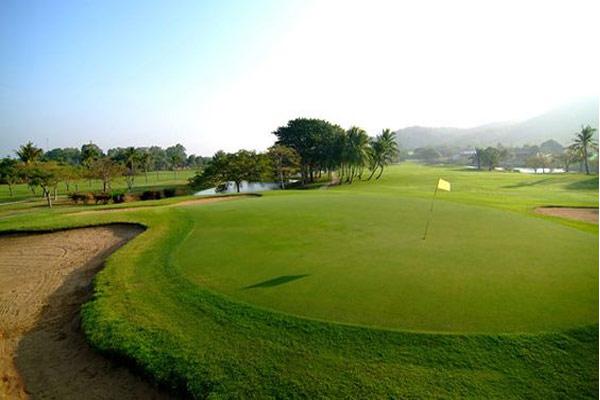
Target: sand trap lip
[(44, 279), (586, 214), (207, 200)]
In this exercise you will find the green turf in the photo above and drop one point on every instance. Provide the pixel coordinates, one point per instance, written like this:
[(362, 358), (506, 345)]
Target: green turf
[(361, 259), (180, 301)]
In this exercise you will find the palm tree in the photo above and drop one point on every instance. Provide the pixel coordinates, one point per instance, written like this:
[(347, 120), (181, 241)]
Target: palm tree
[(583, 141), (28, 153), (383, 151), (356, 152)]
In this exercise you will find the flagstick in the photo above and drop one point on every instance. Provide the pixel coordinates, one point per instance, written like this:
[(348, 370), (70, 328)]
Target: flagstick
[(430, 211)]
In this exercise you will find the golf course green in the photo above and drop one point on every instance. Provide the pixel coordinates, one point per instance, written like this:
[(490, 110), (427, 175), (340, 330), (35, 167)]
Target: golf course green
[(334, 293)]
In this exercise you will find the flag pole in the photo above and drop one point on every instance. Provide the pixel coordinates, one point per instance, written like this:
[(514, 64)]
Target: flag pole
[(430, 211)]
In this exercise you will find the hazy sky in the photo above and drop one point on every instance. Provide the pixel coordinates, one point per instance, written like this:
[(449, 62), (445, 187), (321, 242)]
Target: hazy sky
[(223, 75)]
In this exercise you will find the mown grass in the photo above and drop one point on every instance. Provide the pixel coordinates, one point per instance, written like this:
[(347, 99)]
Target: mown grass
[(160, 309), (360, 259)]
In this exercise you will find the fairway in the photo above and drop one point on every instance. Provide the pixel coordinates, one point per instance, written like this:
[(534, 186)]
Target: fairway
[(334, 294), (359, 258), (311, 200)]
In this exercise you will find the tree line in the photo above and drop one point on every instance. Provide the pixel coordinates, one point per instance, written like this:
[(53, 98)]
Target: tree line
[(540, 158), (550, 154), (153, 158), (68, 165), (307, 148)]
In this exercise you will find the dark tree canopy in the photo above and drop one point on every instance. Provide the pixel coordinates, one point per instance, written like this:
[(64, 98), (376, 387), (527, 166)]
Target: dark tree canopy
[(236, 167), (314, 140), (67, 155)]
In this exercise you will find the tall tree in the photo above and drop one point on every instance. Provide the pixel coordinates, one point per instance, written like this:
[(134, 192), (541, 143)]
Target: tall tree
[(310, 138), (477, 157), (384, 150), (285, 162), (28, 153), (236, 167), (568, 157), (584, 142), (355, 153), (537, 161), (214, 174), (106, 170), (130, 160), (67, 155), (492, 156), (159, 159), (45, 175), (246, 166), (89, 153), (146, 160), (9, 173), (176, 157), (70, 174)]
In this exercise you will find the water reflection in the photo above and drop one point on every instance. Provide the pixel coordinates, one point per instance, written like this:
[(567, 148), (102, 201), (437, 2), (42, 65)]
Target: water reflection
[(245, 187)]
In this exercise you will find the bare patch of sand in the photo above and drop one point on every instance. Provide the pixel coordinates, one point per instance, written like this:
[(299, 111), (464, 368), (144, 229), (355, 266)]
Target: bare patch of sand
[(44, 279), (156, 207), (579, 214)]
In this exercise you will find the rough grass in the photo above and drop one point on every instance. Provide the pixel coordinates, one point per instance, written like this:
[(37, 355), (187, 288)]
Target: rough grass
[(153, 308)]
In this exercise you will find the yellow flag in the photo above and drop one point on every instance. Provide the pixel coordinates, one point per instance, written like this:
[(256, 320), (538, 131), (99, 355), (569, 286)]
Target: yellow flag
[(443, 185)]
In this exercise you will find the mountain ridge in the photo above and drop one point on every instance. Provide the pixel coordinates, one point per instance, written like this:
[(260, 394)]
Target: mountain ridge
[(558, 124)]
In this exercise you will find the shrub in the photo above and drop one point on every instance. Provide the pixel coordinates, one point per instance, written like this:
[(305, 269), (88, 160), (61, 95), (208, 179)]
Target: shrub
[(77, 197), (128, 197), (89, 197), (118, 197), (151, 195), (102, 197), (85, 198), (169, 192)]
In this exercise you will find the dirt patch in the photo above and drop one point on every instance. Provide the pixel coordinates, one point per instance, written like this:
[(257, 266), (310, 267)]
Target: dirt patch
[(44, 279), (579, 214), (181, 203)]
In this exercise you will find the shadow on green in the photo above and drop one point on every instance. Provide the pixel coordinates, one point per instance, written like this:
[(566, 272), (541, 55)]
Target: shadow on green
[(588, 184), (280, 280), (529, 183)]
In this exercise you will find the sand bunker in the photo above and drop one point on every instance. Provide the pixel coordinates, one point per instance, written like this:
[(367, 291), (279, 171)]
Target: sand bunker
[(579, 214), (44, 279)]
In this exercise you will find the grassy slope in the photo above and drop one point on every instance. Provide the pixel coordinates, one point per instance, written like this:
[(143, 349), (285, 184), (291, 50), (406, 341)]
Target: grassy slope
[(187, 336)]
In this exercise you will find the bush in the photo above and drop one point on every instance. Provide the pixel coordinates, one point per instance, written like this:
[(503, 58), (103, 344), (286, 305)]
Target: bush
[(151, 195), (169, 192), (129, 197), (118, 197), (102, 197), (77, 197), (85, 198)]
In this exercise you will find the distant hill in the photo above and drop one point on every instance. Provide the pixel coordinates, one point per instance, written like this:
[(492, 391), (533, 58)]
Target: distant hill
[(558, 124)]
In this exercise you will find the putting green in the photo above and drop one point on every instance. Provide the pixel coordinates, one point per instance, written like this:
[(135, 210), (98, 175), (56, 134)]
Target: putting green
[(359, 258), (185, 300)]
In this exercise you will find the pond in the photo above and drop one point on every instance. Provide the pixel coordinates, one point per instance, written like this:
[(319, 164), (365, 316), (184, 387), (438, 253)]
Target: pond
[(245, 187), (539, 170)]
